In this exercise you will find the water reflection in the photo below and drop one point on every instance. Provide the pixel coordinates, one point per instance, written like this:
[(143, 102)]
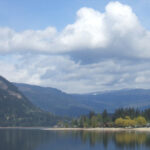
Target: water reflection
[(94, 138), (21, 139), (11, 139), (130, 140), (120, 139)]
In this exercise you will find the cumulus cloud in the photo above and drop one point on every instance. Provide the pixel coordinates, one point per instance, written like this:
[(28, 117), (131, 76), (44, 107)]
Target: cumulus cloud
[(99, 51), (115, 31)]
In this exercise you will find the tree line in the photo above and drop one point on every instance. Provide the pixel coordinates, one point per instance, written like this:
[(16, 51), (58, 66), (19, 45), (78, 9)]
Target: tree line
[(122, 117)]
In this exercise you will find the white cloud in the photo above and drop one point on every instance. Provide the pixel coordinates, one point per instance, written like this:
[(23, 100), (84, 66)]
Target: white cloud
[(117, 30), (63, 73), (99, 51)]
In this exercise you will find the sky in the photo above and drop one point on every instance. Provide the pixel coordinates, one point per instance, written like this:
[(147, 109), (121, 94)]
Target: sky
[(76, 46)]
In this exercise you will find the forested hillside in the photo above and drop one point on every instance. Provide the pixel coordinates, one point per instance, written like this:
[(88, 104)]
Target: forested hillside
[(17, 110)]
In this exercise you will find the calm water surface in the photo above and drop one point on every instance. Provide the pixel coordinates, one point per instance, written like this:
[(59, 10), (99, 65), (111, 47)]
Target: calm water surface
[(24, 139)]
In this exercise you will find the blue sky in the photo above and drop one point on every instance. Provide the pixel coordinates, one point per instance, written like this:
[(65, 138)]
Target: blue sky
[(77, 46), (38, 14)]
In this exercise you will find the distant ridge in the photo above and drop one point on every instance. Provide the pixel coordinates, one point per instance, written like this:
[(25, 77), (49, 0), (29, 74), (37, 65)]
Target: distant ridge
[(53, 100), (61, 103)]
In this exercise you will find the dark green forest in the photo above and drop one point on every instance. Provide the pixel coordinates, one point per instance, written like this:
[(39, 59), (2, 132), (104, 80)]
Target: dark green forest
[(122, 117), (17, 110)]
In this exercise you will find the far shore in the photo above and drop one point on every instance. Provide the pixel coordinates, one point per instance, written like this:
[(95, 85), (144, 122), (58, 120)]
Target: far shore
[(83, 129)]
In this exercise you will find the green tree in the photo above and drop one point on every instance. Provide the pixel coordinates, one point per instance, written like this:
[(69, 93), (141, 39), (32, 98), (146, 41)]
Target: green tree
[(105, 116), (86, 122), (91, 114), (99, 119), (94, 122), (74, 123)]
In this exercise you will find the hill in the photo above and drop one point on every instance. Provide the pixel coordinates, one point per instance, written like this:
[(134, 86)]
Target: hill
[(53, 100), (61, 103), (17, 110)]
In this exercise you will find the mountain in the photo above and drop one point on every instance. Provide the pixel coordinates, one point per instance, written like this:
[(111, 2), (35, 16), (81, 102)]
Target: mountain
[(53, 100), (64, 104), (111, 100), (17, 110)]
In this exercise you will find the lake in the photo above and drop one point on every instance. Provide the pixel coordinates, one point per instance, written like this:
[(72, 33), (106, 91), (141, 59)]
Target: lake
[(34, 139)]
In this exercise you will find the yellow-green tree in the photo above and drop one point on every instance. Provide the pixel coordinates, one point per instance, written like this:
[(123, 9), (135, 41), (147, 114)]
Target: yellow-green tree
[(141, 121), (132, 123), (127, 122), (119, 122)]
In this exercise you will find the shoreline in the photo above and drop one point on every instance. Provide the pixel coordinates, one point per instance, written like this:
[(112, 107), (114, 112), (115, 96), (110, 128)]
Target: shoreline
[(100, 129), (82, 129)]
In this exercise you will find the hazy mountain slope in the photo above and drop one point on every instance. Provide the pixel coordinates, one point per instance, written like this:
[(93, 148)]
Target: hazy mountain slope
[(114, 99), (16, 109), (53, 100), (60, 103)]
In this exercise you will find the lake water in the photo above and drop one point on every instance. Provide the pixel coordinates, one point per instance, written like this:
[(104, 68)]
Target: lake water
[(25, 139)]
